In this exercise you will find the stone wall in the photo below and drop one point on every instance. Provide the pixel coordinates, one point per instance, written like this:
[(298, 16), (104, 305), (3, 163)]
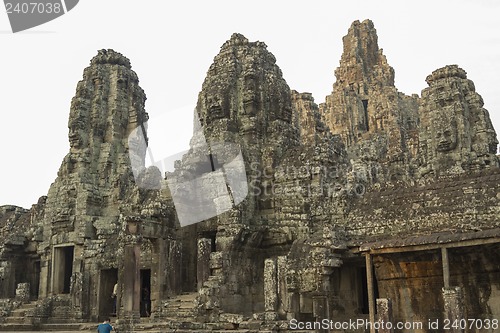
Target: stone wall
[(464, 203)]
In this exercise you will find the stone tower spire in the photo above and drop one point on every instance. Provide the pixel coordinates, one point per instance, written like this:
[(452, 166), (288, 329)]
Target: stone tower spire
[(95, 176), (374, 120), (362, 62)]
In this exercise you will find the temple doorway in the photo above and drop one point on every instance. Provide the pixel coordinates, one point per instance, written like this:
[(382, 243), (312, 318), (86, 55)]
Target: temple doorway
[(106, 303), (62, 269), (145, 293)]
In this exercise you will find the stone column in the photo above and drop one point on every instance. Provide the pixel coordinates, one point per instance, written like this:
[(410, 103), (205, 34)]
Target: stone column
[(293, 305), (174, 267), (23, 292), (283, 306), (320, 309), (203, 260), (131, 277), (131, 293), (453, 307), (43, 286), (384, 312), (158, 279), (270, 288)]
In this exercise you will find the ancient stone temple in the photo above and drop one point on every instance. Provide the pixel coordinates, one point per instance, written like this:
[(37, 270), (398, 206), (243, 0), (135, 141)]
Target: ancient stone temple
[(371, 206)]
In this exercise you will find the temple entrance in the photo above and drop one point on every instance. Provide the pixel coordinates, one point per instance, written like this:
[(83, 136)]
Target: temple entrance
[(62, 269), (363, 287), (349, 289), (145, 292), (107, 280), (206, 245), (195, 268)]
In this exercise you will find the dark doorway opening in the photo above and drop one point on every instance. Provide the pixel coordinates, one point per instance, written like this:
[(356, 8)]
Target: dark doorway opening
[(68, 268), (107, 303), (213, 237), (63, 269), (364, 289), (145, 292)]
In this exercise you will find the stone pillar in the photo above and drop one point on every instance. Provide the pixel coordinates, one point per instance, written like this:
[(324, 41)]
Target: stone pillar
[(320, 309), (283, 306), (293, 305), (384, 312), (131, 293), (130, 298), (174, 267), (203, 260), (43, 285), (157, 275), (453, 307), (23, 292), (7, 275), (270, 288), (77, 290)]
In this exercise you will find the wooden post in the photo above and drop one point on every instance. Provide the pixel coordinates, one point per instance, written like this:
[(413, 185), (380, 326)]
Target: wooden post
[(371, 296), (446, 267)]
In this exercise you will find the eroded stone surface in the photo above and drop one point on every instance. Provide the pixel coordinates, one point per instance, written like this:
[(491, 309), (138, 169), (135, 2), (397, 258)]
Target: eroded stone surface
[(375, 121), (456, 134), (368, 169)]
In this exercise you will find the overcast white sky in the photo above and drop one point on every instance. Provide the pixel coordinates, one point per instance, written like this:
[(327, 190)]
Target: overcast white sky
[(171, 44)]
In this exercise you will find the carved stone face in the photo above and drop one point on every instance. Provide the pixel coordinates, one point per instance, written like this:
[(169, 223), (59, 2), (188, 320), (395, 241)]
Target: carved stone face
[(216, 107), (250, 88), (76, 132), (446, 136)]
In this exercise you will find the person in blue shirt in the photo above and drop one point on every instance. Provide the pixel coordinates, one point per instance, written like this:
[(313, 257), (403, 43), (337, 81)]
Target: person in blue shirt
[(105, 327)]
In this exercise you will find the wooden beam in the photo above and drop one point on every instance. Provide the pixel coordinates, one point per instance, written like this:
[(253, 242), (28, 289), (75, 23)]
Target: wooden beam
[(426, 247)]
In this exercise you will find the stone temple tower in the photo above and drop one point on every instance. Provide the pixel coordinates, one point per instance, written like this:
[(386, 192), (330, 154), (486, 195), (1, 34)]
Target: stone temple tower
[(95, 181), (376, 122), (456, 134)]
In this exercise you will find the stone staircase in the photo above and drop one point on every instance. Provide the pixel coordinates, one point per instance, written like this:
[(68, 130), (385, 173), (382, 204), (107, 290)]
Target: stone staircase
[(18, 315), (19, 321), (16, 321), (179, 313), (179, 316), (181, 308)]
